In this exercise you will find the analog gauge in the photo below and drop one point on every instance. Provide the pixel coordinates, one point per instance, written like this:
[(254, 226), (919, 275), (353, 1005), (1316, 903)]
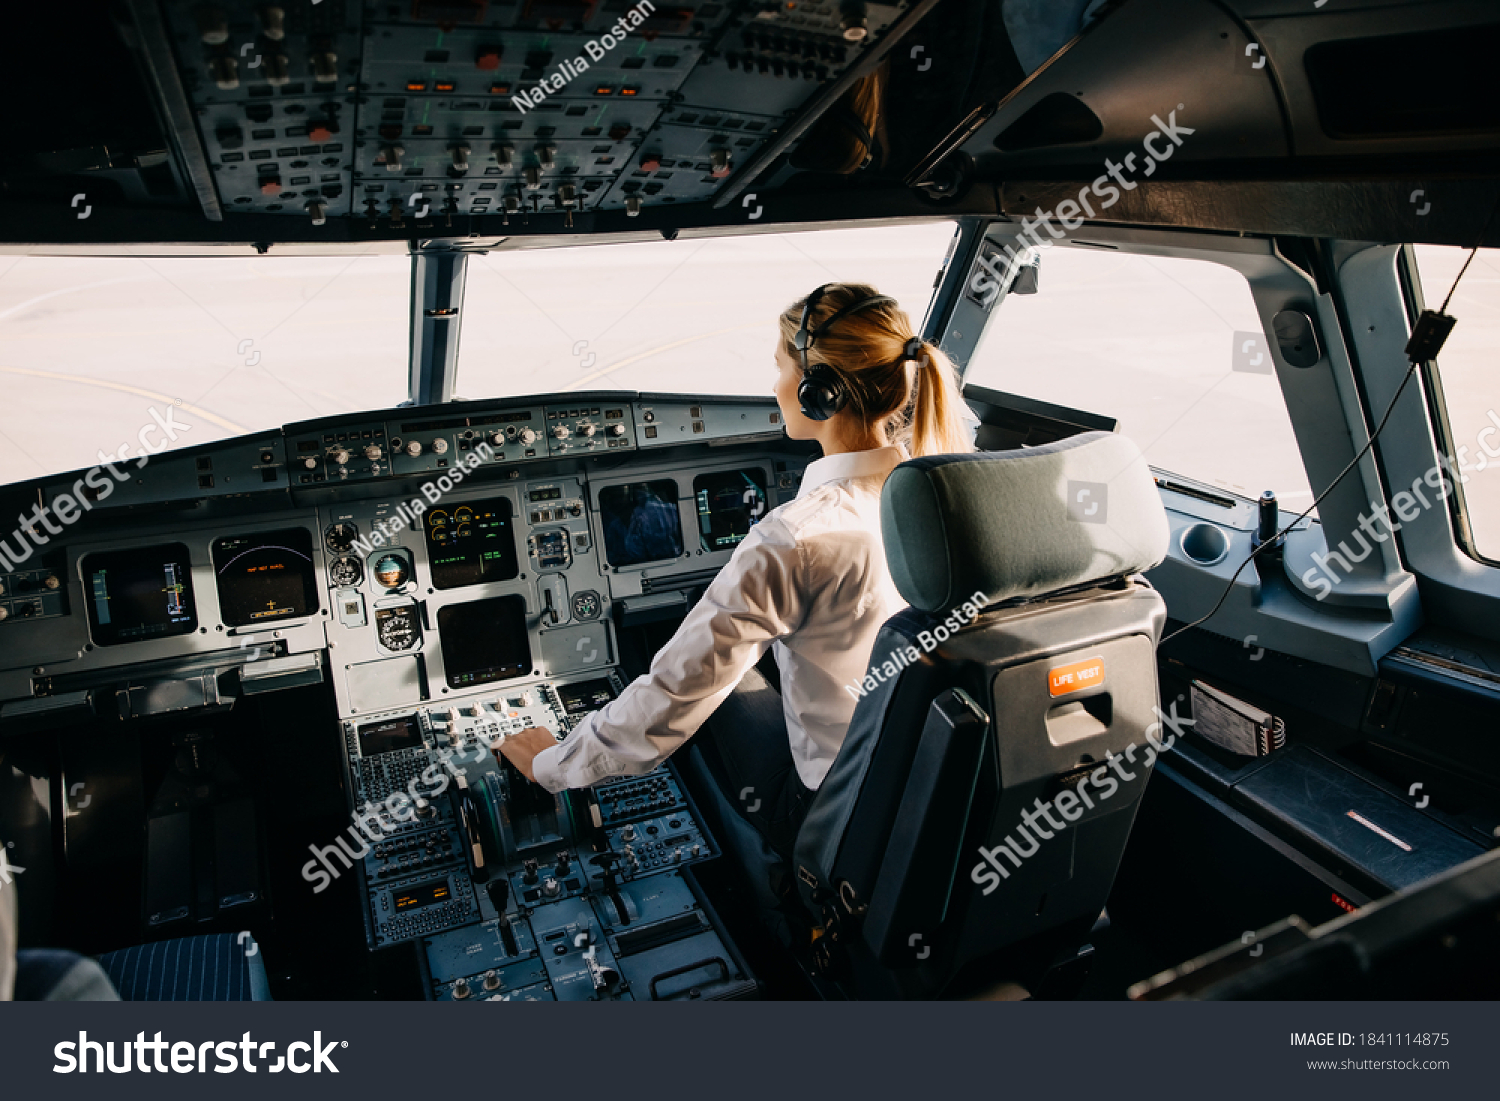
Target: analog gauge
[(438, 535), (437, 518), (463, 514), (340, 536), (464, 531), (586, 605), (398, 628), (346, 572), (391, 570)]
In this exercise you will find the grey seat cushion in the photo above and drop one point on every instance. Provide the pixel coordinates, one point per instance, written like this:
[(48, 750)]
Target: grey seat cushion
[(1020, 523)]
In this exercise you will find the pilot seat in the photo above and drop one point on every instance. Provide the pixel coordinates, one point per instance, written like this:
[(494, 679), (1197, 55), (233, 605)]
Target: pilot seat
[(966, 837)]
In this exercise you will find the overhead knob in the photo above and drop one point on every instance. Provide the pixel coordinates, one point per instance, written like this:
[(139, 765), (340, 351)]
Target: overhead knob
[(277, 70), (527, 436), (497, 439), (373, 452), (586, 429), (461, 989), (51, 582), (414, 448), (213, 25), (546, 156), (325, 67), (460, 158), (310, 463), (616, 430), (318, 212), (339, 455), (491, 980), (532, 176), (504, 153), (4, 614), (226, 73), (560, 431), (551, 887), (273, 23), (440, 445), (718, 159), (627, 834), (392, 156), (632, 205)]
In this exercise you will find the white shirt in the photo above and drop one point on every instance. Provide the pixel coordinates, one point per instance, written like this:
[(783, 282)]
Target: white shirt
[(811, 577)]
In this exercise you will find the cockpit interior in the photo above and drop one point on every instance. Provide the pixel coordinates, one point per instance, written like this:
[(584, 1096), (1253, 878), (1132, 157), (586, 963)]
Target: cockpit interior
[(439, 335)]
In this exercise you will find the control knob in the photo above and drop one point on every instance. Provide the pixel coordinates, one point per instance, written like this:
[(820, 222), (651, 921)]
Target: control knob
[(586, 429), (339, 455), (439, 445), (373, 452), (528, 872), (491, 980), (51, 582), (310, 463), (551, 887), (414, 448), (627, 834), (616, 430), (461, 989), (527, 436), (497, 439), (560, 431)]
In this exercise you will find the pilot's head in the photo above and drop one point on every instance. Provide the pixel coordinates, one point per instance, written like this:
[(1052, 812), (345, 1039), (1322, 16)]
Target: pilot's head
[(869, 380)]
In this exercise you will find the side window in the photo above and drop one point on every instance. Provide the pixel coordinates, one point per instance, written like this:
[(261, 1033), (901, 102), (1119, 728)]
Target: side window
[(1171, 348), (1469, 382)]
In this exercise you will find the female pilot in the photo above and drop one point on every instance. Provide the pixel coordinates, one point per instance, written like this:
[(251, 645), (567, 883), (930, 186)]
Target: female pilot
[(810, 579)]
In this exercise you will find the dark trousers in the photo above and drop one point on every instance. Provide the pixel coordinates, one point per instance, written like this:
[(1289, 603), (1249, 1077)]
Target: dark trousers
[(745, 747)]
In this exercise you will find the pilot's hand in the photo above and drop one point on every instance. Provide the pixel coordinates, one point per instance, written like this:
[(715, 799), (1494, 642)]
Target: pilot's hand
[(521, 748)]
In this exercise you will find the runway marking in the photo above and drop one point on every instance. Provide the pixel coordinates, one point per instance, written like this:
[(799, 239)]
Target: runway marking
[(152, 394)]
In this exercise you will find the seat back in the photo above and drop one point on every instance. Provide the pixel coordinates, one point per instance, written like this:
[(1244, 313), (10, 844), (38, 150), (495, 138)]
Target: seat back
[(972, 824)]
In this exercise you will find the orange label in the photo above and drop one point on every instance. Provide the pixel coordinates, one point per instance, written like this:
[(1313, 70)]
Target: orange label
[(1071, 678)]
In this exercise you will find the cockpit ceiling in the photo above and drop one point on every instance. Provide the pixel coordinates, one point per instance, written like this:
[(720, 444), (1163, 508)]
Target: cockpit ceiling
[(340, 122)]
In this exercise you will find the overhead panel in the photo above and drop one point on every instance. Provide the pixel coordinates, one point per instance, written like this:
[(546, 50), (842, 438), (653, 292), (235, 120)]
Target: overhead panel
[(421, 110)]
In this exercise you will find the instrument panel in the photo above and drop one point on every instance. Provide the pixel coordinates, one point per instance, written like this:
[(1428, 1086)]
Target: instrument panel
[(450, 566)]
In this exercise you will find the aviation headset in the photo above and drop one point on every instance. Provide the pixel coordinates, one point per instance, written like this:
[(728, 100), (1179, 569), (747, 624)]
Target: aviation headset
[(823, 391)]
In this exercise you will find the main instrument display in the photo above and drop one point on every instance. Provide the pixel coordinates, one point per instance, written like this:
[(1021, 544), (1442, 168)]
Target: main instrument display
[(641, 522), (470, 544), (141, 593), (265, 576)]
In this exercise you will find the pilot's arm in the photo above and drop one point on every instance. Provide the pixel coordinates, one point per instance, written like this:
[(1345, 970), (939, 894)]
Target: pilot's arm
[(758, 597)]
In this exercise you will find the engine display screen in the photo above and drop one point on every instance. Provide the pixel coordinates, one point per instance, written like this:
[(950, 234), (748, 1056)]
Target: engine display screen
[(729, 503), (423, 894), (265, 576), (139, 594), (641, 522), (581, 698), (484, 640), (389, 735), (471, 543)]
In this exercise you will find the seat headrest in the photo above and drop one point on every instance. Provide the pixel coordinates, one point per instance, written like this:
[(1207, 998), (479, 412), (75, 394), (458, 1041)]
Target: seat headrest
[(1020, 523)]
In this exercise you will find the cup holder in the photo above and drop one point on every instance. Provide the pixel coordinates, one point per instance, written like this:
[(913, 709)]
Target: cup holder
[(1205, 544)]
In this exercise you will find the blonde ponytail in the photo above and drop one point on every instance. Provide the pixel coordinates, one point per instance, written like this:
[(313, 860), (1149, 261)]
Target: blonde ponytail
[(937, 426)]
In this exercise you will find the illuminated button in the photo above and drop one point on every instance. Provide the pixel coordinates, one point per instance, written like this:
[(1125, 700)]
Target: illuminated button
[(322, 131), (488, 58), (650, 162)]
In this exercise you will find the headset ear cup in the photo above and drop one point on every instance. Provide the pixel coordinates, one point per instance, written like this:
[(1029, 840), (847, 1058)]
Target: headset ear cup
[(820, 393)]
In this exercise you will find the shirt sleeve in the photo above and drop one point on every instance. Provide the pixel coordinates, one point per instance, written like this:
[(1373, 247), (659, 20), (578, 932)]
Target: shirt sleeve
[(757, 598)]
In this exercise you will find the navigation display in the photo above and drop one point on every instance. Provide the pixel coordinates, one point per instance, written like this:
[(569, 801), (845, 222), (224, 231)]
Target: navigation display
[(729, 502), (484, 640), (471, 543), (139, 594), (641, 522), (266, 576)]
